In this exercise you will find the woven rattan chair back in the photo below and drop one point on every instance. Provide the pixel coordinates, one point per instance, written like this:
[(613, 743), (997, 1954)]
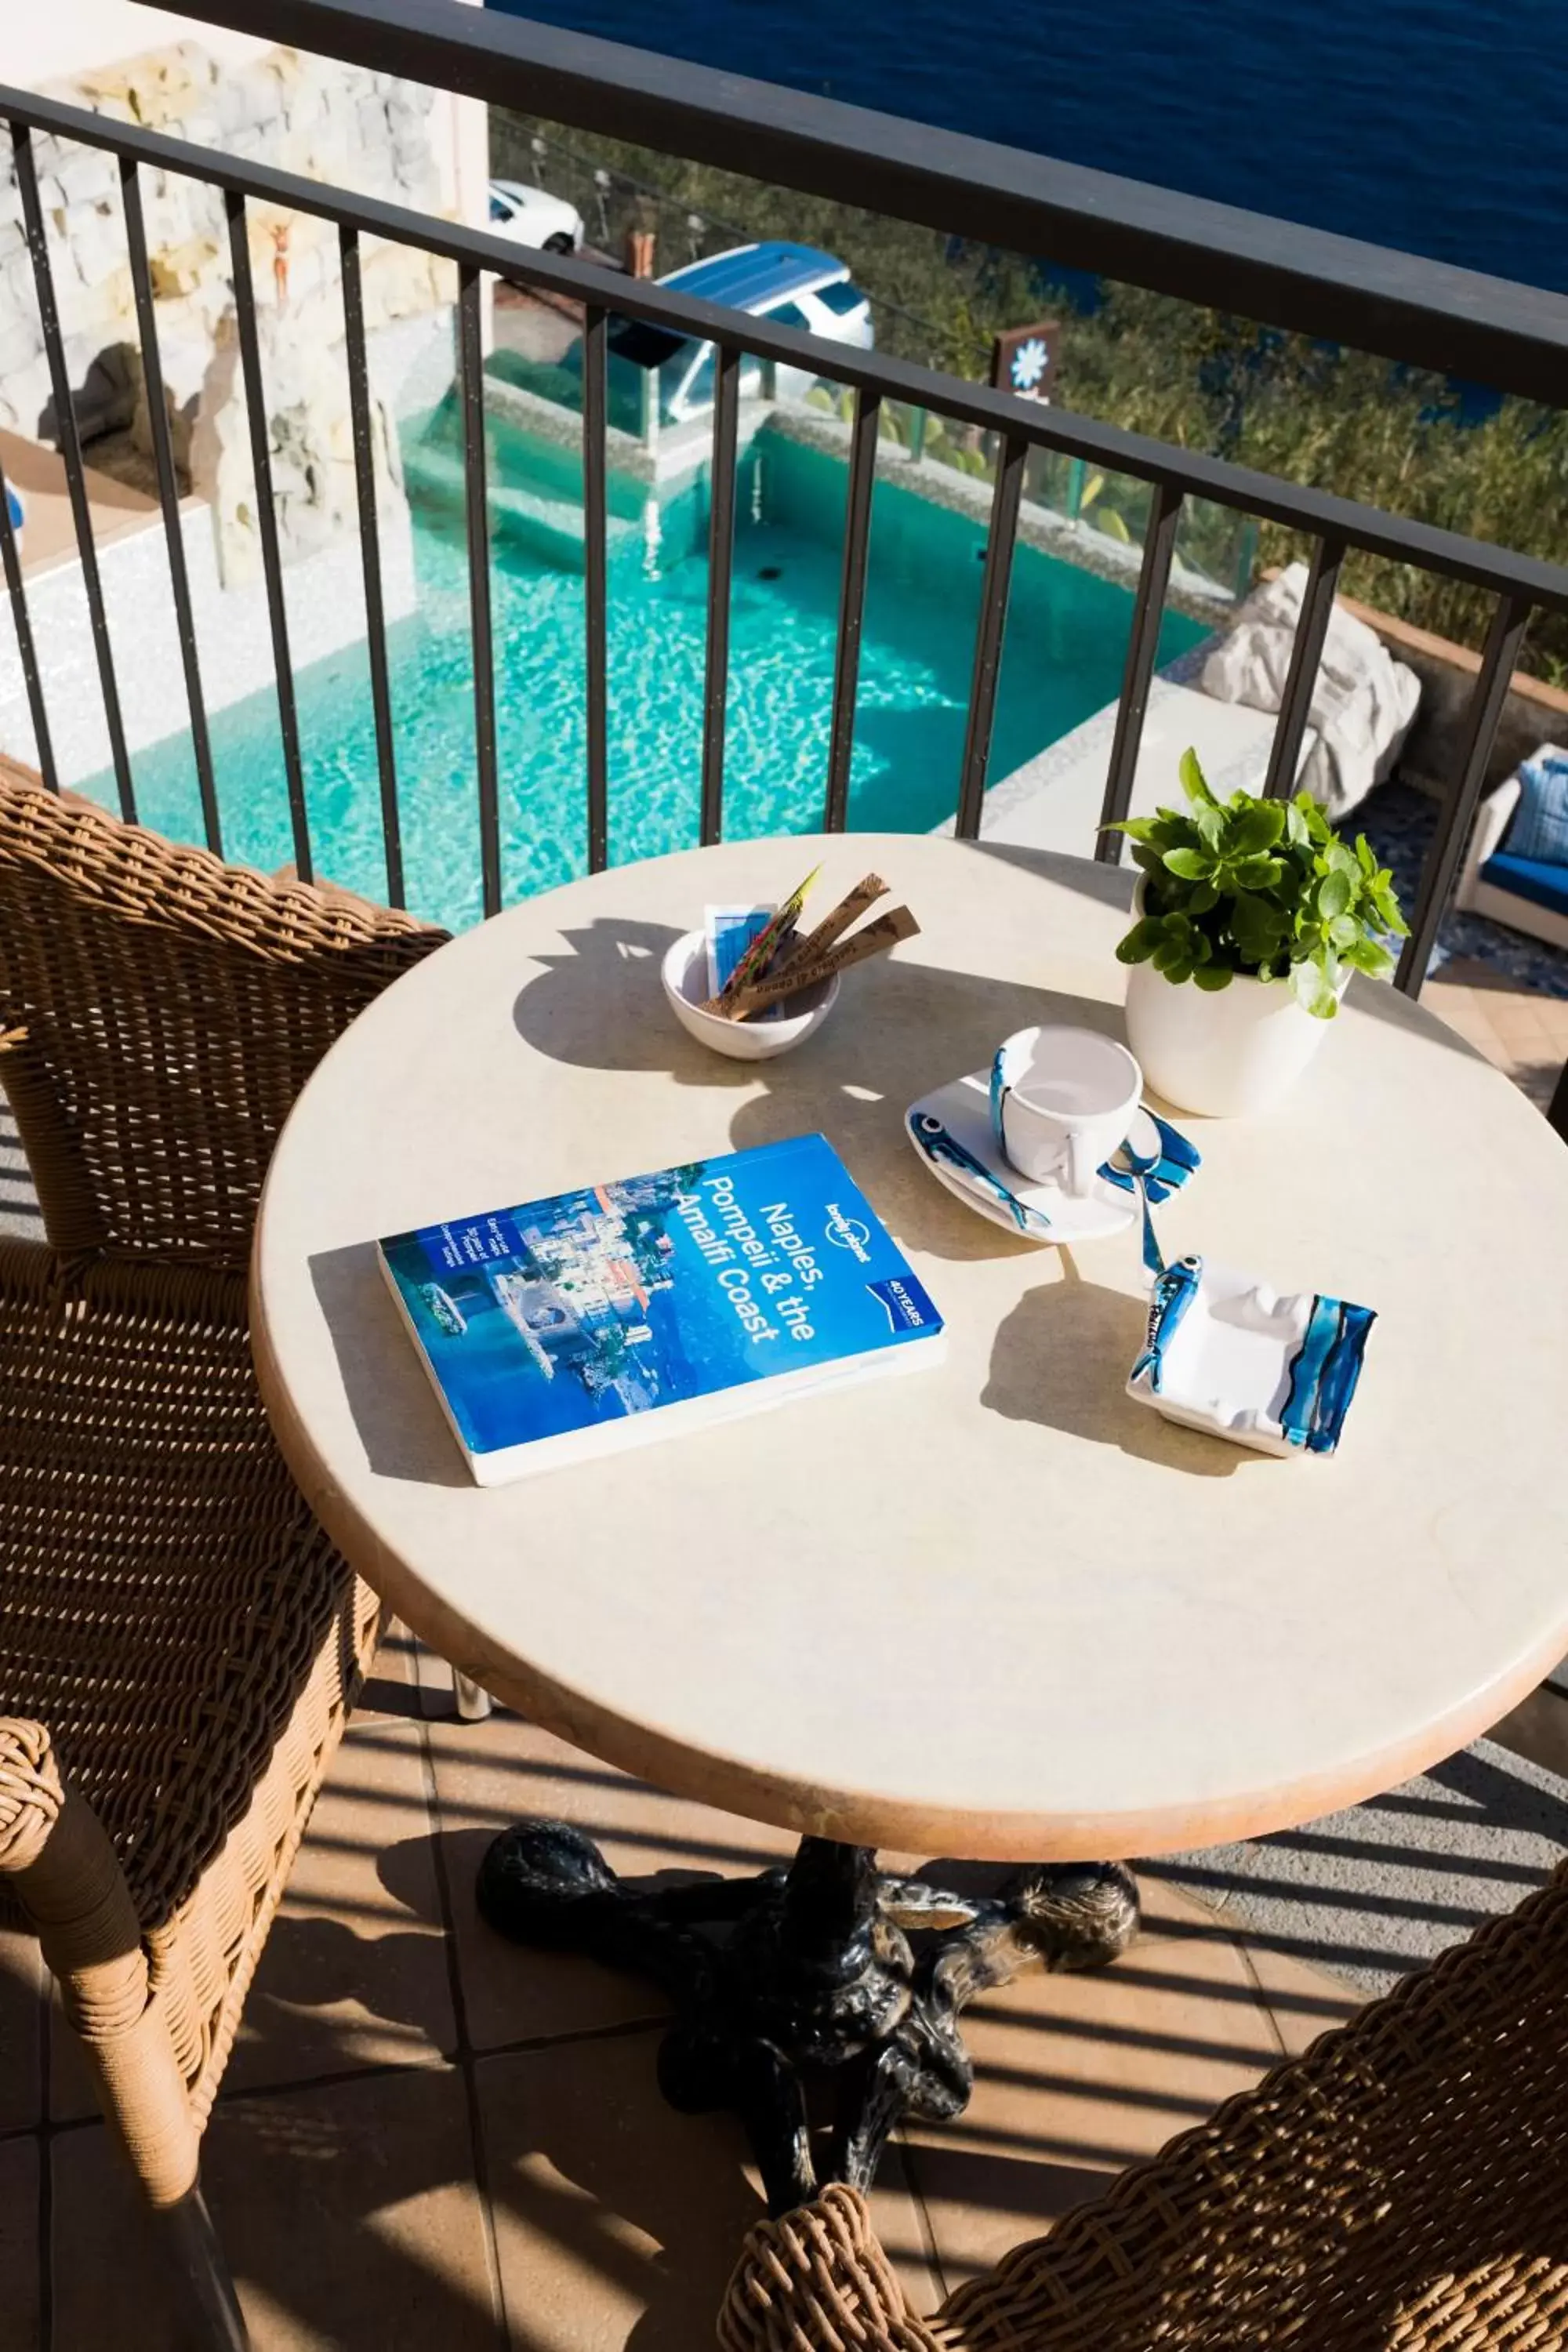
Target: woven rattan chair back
[(161, 1012), (1399, 2188)]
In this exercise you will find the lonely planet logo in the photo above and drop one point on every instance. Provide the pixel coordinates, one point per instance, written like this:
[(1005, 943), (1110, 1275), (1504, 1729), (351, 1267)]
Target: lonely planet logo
[(849, 1233)]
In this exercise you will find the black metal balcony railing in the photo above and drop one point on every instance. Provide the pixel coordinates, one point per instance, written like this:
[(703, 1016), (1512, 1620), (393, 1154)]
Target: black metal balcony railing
[(1510, 336)]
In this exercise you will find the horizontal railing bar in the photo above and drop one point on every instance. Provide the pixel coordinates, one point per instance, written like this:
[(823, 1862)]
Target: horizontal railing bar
[(1283, 273), (1296, 506)]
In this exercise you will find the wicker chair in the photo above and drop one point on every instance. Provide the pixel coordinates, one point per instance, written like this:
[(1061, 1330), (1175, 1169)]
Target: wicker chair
[(1402, 2187), (179, 1642)]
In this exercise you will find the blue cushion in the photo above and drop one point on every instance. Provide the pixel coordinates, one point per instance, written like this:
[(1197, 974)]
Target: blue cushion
[(1540, 827), (1541, 880)]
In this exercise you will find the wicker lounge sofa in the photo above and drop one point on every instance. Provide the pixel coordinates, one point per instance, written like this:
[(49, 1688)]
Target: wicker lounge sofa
[(179, 1642), (1400, 2188)]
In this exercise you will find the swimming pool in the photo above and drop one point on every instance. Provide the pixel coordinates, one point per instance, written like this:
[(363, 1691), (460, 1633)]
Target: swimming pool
[(1066, 644)]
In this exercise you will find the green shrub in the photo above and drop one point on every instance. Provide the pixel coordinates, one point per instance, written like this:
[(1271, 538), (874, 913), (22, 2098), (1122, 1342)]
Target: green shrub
[(1306, 411)]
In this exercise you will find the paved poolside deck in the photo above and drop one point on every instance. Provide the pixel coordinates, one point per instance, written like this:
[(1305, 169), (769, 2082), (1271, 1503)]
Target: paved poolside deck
[(48, 536)]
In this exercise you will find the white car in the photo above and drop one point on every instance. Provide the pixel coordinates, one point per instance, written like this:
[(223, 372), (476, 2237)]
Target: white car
[(788, 285), (531, 216)]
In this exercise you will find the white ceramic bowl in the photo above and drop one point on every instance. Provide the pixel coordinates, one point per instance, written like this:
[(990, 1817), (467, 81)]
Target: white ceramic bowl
[(684, 977)]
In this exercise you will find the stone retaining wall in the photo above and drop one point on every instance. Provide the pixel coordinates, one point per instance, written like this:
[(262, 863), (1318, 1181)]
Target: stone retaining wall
[(1534, 713), (321, 119), (364, 131)]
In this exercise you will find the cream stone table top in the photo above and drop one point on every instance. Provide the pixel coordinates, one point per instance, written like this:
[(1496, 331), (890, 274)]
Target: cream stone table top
[(995, 1608)]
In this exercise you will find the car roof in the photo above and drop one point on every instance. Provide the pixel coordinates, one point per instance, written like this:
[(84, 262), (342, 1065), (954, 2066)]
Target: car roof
[(524, 190), (753, 276)]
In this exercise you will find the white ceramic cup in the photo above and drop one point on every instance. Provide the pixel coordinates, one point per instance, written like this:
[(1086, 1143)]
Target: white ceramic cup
[(1062, 1101)]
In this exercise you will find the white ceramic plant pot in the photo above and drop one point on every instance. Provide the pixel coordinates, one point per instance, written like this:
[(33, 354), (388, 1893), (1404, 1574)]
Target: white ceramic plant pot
[(1239, 1049)]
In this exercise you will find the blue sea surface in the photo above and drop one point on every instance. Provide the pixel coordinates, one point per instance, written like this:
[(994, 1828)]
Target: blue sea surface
[(1437, 126)]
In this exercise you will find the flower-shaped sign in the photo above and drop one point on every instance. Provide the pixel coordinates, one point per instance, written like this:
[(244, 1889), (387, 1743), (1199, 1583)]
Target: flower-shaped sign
[(1030, 362), (1024, 359)]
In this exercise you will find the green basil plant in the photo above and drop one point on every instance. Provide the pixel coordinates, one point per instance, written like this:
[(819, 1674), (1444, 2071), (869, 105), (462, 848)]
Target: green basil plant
[(1261, 887)]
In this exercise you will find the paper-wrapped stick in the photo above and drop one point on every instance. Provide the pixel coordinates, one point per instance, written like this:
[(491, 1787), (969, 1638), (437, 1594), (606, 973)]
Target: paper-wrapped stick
[(758, 956), (872, 938), (833, 926)]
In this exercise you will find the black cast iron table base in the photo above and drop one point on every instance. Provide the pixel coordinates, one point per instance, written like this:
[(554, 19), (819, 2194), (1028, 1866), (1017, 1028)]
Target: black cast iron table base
[(831, 1965)]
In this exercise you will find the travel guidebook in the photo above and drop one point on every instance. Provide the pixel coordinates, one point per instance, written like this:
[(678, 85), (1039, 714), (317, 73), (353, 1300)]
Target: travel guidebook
[(597, 1319)]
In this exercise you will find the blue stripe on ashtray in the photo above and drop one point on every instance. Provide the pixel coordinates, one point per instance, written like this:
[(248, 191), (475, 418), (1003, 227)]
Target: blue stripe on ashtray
[(1341, 1374), (1324, 1374)]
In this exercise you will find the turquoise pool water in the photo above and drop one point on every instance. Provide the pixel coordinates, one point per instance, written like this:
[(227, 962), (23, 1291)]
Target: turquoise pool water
[(1066, 642)]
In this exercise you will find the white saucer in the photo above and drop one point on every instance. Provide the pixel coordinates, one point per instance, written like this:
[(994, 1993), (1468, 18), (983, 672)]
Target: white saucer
[(950, 1130)]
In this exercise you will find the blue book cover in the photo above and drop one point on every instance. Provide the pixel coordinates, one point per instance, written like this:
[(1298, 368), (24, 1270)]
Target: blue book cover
[(627, 1310)]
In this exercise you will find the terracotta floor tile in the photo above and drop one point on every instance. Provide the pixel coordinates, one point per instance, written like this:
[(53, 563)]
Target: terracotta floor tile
[(348, 2214), (391, 1688), (1451, 1003), (19, 2299), (617, 2220), (407, 1679), (488, 1775), (1169, 1911), (354, 1973), (1303, 2002), (1076, 2077), (21, 2021), (1517, 1017)]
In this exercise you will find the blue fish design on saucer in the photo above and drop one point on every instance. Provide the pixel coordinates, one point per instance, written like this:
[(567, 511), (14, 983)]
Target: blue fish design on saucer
[(954, 1129)]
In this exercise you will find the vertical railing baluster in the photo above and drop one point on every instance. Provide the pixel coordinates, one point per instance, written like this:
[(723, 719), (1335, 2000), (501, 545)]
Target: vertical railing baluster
[(1306, 653), (1142, 645), (988, 636), (596, 603), (267, 525), (1505, 641), (863, 436), (169, 497), (11, 562), (370, 560), (69, 441), (720, 563), (471, 375)]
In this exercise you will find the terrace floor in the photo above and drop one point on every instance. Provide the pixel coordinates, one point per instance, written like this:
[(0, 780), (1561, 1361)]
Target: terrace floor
[(429, 2137)]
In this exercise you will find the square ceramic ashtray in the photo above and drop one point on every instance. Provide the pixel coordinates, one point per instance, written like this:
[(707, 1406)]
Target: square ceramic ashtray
[(1227, 1354)]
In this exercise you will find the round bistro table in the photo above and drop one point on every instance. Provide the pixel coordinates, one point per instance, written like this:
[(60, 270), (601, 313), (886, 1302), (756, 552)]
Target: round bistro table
[(994, 1610)]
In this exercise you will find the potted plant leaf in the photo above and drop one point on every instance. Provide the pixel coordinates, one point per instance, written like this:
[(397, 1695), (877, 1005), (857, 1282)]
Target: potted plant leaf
[(1251, 916)]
